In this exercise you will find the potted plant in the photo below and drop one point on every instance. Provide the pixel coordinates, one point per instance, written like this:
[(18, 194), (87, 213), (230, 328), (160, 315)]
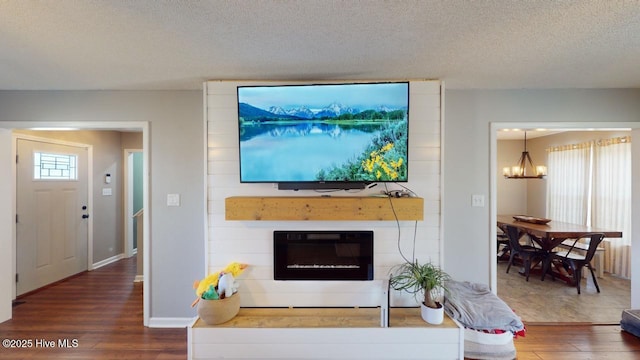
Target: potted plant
[(427, 280)]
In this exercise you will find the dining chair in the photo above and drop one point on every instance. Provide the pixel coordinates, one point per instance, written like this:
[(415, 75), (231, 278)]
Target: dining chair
[(575, 259), (526, 252), (503, 243)]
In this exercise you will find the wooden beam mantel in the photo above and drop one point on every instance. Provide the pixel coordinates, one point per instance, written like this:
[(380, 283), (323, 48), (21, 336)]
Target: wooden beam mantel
[(338, 208)]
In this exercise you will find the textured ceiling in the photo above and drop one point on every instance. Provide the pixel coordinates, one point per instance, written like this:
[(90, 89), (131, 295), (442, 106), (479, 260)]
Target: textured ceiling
[(156, 44)]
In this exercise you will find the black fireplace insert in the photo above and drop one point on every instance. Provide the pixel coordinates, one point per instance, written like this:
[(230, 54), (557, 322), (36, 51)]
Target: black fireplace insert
[(323, 255)]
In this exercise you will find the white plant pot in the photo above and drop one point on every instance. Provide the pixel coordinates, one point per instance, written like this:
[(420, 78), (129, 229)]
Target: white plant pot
[(431, 315)]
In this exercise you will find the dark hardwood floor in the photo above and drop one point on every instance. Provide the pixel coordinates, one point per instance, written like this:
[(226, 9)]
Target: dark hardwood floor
[(577, 342), (102, 311), (99, 311)]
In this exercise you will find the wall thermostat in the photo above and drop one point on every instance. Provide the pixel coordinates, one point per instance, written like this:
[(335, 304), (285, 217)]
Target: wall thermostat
[(107, 178)]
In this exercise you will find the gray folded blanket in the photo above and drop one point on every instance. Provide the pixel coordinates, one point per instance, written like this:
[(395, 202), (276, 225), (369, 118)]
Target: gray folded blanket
[(476, 307)]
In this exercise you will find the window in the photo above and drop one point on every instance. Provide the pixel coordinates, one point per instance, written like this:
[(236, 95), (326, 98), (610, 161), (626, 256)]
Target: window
[(590, 184), (54, 166)]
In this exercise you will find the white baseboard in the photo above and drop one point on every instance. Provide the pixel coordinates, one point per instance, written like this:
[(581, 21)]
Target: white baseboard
[(107, 261), (138, 278), (171, 322)]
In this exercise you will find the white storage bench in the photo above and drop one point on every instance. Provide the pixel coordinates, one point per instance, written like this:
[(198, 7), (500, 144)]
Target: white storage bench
[(325, 333)]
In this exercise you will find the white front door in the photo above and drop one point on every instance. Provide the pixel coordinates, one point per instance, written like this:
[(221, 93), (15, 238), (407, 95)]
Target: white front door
[(51, 204)]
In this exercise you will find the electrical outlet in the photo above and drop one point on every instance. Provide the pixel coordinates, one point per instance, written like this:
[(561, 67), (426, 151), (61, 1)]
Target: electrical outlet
[(477, 200), (173, 199)]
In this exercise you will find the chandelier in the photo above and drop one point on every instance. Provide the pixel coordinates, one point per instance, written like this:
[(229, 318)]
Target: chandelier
[(524, 169)]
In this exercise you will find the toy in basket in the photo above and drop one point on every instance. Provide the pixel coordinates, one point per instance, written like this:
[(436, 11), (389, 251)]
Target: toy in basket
[(217, 299)]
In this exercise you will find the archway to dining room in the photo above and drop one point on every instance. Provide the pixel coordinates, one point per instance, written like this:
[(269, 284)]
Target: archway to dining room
[(528, 197)]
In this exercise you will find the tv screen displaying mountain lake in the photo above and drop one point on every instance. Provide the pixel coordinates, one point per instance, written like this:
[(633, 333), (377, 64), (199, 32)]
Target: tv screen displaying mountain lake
[(295, 134)]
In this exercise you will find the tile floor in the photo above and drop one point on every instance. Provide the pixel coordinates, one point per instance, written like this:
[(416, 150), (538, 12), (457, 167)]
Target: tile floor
[(550, 301)]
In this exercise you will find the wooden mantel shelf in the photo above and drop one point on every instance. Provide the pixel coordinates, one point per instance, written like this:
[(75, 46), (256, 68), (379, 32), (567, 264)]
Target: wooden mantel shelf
[(338, 208)]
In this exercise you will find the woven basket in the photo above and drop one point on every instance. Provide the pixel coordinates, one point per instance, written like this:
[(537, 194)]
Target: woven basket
[(214, 312)]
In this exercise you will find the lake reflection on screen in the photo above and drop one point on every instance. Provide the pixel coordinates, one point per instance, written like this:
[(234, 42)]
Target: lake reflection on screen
[(294, 157)]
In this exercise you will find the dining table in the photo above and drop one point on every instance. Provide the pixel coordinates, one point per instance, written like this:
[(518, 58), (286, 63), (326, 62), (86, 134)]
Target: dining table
[(552, 233)]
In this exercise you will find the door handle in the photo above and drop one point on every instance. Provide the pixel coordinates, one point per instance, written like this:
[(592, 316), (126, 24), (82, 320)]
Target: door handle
[(85, 216)]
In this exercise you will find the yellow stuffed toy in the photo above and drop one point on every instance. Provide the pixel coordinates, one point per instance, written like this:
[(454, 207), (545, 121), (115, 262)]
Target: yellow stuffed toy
[(234, 269)]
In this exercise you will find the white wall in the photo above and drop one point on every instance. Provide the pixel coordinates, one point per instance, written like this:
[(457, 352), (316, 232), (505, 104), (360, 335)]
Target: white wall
[(252, 241), (6, 224), (635, 224), (469, 114), (512, 193)]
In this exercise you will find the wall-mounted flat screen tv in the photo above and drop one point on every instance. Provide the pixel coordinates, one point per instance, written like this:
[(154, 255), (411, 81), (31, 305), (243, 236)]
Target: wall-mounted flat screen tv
[(324, 135)]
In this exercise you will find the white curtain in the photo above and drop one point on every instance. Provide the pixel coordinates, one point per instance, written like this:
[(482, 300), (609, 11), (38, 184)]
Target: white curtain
[(590, 184), (568, 183), (611, 200)]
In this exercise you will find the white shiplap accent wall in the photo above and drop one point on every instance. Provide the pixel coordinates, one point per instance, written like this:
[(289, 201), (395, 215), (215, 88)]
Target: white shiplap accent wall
[(251, 242)]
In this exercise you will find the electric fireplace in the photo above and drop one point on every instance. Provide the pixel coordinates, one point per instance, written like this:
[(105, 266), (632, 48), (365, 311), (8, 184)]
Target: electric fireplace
[(323, 255)]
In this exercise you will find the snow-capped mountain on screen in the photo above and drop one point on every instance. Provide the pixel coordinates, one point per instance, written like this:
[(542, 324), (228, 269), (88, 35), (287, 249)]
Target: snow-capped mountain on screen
[(332, 110), (335, 109), (301, 112)]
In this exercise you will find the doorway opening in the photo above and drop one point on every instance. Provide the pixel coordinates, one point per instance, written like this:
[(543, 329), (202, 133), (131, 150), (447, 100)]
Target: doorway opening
[(514, 195), (133, 206), (8, 202)]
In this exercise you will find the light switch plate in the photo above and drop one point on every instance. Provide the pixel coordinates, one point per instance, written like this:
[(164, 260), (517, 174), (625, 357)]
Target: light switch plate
[(107, 192), (173, 199), (477, 200)]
